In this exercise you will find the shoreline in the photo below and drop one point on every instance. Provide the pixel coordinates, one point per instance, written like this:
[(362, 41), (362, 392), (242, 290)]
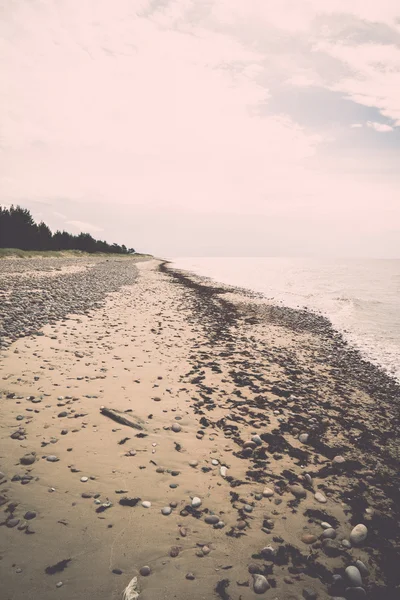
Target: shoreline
[(235, 371)]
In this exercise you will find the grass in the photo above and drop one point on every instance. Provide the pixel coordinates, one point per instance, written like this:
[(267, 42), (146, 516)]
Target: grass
[(17, 253)]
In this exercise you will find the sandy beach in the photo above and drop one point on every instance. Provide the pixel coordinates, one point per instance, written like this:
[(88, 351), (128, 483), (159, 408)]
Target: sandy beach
[(260, 440)]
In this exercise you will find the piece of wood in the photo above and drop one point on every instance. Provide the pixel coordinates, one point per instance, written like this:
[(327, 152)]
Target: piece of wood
[(120, 417)]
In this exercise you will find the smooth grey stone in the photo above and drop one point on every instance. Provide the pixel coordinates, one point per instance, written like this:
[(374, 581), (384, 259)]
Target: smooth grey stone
[(257, 440), (52, 458), (27, 459), (260, 584), (176, 427), (29, 515), (297, 490), (145, 571), (353, 576), (328, 534), (12, 522), (358, 534), (166, 510), (310, 594), (303, 438), (362, 568), (319, 496), (196, 502), (211, 519)]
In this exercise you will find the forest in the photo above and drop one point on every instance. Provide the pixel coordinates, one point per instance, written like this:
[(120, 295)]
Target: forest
[(19, 230)]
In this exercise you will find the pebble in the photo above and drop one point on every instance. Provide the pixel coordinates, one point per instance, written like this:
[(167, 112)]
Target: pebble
[(166, 510), (310, 594), (190, 576), (260, 584), (193, 463), (247, 508), (307, 538), (298, 490), (326, 525), (268, 492), (358, 534), (145, 571), (362, 568), (176, 427), (28, 459), (174, 551), (257, 440), (328, 534), (211, 519), (29, 515), (338, 460), (215, 462), (319, 496), (353, 576), (196, 502), (52, 458), (12, 522), (84, 479), (59, 584), (146, 504), (303, 438), (223, 471)]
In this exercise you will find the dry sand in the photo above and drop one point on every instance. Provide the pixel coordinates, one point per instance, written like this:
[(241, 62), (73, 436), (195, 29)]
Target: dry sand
[(170, 349)]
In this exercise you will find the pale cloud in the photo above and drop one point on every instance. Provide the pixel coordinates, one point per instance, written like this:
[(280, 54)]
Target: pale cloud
[(381, 127), (151, 107), (84, 227)]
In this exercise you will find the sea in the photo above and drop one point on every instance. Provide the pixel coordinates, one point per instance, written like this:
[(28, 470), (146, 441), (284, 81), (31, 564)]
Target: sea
[(361, 297)]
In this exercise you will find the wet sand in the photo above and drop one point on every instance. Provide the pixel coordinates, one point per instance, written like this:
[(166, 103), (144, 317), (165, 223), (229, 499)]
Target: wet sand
[(273, 395)]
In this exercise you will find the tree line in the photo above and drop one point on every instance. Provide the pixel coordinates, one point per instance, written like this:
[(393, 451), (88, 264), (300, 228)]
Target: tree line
[(19, 230)]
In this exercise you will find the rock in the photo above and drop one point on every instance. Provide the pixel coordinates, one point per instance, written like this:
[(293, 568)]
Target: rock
[(190, 576), (338, 460), (84, 479), (353, 576), (52, 458), (358, 534), (117, 571), (319, 496), (307, 538), (166, 510), (253, 568), (145, 571), (328, 534), (303, 438), (29, 515), (59, 584), (176, 427), (174, 551), (211, 519), (257, 440), (297, 490), (215, 462), (326, 525), (223, 471), (146, 504), (12, 522), (193, 463), (196, 502), (247, 508), (355, 593), (241, 525), (362, 568), (345, 543), (309, 594), (206, 550), (28, 459), (260, 584), (268, 492)]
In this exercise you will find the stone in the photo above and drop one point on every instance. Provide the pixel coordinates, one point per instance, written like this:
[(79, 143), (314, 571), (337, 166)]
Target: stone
[(215, 462), (28, 459), (146, 504), (353, 576), (362, 568), (309, 594), (257, 440), (190, 576), (338, 460), (241, 525), (358, 535), (196, 502), (84, 479), (355, 593), (326, 525), (253, 568), (166, 510), (29, 515), (223, 471), (52, 458), (307, 538), (331, 548), (260, 584), (247, 508), (211, 519), (193, 463), (328, 534), (117, 571), (297, 490), (59, 584), (268, 492), (176, 427), (174, 552), (319, 496), (12, 522), (145, 571), (303, 438)]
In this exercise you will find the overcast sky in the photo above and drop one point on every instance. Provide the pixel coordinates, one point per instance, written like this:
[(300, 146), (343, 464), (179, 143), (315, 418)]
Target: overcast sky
[(206, 127)]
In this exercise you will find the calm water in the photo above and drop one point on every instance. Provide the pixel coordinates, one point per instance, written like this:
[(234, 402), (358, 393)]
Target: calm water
[(360, 297)]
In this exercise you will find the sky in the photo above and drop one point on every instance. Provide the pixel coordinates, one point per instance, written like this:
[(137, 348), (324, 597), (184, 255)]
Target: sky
[(206, 127)]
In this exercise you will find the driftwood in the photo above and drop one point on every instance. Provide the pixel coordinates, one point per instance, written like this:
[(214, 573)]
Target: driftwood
[(120, 417)]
